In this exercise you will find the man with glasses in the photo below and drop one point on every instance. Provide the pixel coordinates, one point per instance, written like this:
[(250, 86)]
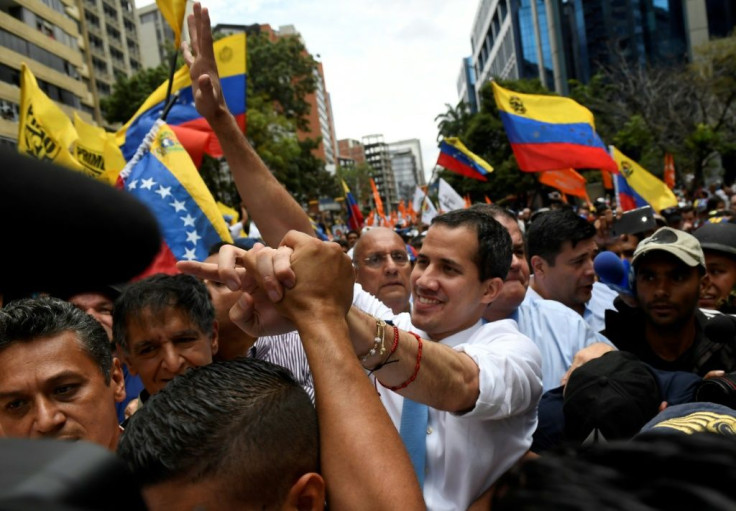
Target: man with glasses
[(382, 268)]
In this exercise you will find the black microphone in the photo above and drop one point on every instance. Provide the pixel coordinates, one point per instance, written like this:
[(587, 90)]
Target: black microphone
[(721, 328)]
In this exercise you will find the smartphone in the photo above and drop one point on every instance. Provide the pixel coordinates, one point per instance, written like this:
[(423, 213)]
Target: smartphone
[(635, 221)]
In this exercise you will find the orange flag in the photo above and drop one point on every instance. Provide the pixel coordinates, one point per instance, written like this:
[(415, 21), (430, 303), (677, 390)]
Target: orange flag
[(468, 202), (669, 171), (371, 218), (488, 201), (607, 180), (566, 180), (377, 200)]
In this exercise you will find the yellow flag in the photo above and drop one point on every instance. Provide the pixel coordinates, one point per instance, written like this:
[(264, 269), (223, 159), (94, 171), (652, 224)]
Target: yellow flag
[(227, 211), (649, 187), (44, 130), (173, 13), (96, 151)]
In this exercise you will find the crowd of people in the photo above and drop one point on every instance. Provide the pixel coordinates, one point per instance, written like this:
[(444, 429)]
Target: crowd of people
[(491, 359)]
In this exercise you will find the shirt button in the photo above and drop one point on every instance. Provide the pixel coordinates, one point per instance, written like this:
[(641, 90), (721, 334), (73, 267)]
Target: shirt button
[(429, 430)]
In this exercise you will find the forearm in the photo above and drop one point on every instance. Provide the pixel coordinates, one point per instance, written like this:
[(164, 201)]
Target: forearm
[(446, 379), (366, 470), (258, 188)]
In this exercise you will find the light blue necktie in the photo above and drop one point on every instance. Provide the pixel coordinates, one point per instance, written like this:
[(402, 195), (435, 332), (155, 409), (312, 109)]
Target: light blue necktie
[(413, 431)]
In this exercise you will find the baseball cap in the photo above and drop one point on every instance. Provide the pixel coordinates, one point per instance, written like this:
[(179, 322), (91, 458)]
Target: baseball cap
[(609, 398), (680, 244), (720, 237)]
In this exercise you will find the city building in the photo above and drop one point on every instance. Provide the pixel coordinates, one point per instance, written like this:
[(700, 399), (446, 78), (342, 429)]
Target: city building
[(46, 36), (320, 118), (556, 40), (466, 86), (156, 34), (350, 153), (378, 156), (407, 166), (111, 28)]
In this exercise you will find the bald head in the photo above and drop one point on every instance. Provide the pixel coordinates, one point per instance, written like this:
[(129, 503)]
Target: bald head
[(382, 267)]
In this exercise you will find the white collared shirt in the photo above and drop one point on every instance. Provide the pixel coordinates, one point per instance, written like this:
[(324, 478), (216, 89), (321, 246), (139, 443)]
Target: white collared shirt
[(467, 453)]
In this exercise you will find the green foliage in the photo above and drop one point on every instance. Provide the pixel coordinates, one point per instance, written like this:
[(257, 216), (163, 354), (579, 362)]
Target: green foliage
[(280, 76), (128, 94), (688, 111), (284, 73), (483, 134), (358, 179)]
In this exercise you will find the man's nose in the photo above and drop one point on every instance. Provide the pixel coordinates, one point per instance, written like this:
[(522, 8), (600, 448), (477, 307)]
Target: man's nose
[(172, 360), (49, 417)]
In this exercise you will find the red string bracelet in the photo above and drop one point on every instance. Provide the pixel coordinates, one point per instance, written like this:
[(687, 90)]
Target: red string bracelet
[(416, 368)]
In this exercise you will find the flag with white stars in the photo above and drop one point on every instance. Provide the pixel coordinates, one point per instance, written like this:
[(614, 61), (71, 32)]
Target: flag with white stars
[(162, 176)]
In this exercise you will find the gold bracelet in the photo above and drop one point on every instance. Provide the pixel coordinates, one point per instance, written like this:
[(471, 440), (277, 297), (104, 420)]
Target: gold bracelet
[(378, 341)]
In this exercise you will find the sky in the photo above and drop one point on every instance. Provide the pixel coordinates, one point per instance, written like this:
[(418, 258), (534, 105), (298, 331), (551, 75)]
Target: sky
[(390, 65)]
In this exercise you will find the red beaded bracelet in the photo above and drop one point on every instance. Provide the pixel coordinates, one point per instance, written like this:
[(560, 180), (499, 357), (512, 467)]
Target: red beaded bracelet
[(416, 368)]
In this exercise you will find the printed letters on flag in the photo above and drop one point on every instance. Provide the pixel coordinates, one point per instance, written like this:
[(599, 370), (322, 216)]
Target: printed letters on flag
[(456, 157), (551, 132), (650, 188), (44, 130), (96, 151), (162, 176)]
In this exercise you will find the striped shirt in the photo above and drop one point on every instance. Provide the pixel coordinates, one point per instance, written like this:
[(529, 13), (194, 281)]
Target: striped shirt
[(286, 350)]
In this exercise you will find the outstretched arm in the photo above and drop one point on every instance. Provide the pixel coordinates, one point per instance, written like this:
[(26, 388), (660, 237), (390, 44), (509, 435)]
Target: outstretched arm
[(258, 189), (363, 471)]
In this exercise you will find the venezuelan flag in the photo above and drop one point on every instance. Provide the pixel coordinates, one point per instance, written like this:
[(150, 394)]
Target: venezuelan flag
[(355, 217), (196, 134), (551, 132), (626, 197), (456, 157), (649, 188), (162, 176)]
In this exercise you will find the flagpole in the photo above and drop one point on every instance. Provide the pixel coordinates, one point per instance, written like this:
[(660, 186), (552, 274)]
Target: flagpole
[(169, 102)]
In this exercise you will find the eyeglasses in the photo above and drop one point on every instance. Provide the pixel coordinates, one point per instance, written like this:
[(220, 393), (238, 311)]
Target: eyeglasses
[(377, 260)]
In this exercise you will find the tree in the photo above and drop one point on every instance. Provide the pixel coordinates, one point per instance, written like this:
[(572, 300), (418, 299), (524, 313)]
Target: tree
[(454, 121), (129, 93), (687, 111), (358, 179), (280, 75), (483, 133)]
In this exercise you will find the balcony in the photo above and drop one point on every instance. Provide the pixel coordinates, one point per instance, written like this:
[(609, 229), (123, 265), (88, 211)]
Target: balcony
[(98, 51)]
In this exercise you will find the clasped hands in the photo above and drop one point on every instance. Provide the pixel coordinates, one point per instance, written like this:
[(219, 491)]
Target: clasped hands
[(303, 280)]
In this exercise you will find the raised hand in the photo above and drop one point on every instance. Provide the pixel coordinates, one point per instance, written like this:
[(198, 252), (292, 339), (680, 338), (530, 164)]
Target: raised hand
[(200, 57)]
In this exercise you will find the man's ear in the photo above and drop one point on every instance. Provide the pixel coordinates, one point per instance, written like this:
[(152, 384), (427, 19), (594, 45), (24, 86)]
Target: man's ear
[(492, 289), (215, 337), (307, 494), (539, 266), (117, 380), (125, 359)]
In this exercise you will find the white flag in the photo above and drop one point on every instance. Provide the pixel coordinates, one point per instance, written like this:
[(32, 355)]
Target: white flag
[(428, 211), (449, 199), (417, 201)]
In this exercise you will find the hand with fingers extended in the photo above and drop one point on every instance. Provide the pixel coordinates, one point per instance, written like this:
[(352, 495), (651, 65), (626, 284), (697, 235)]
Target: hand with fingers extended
[(254, 312), (200, 57)]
